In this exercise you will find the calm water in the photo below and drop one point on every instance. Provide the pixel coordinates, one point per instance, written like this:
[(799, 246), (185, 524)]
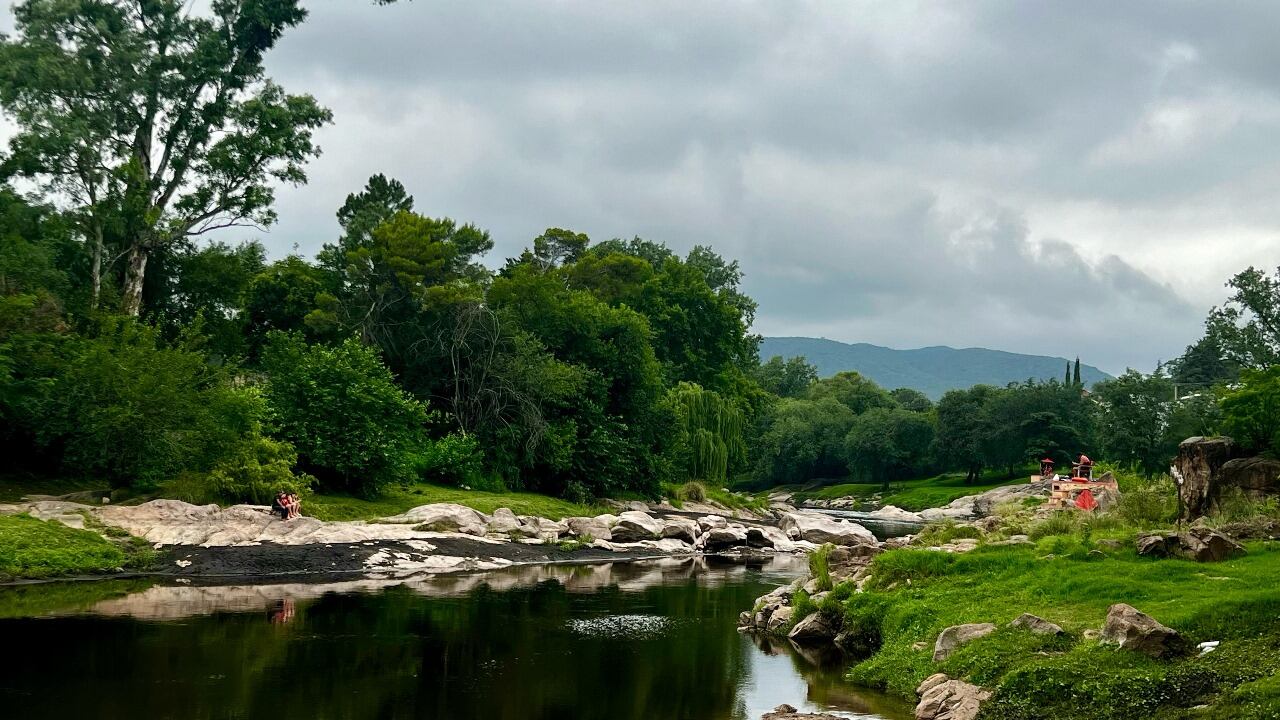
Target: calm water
[(620, 642)]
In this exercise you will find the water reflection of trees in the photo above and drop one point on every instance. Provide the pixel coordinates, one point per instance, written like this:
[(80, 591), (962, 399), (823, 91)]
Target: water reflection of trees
[(400, 654)]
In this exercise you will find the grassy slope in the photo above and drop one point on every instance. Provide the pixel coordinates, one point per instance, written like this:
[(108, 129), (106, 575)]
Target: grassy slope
[(31, 548), (916, 494), (1236, 602), (398, 500)]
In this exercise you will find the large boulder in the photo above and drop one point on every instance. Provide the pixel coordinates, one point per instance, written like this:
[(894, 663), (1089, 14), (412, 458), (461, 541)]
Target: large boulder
[(718, 539), (942, 698), (819, 528), (1256, 476), (444, 517), (710, 522), (1199, 543), (787, 712), (596, 528), (1134, 630), (957, 635), (1197, 470), (778, 618), (503, 522), (817, 628), (634, 526), (682, 529)]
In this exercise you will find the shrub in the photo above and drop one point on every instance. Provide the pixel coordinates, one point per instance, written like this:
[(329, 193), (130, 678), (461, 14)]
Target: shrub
[(341, 409), (693, 492), (802, 606), (260, 468), (453, 459), (1150, 504)]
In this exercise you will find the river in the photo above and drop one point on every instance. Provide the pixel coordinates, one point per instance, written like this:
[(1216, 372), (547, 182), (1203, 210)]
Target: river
[(653, 640)]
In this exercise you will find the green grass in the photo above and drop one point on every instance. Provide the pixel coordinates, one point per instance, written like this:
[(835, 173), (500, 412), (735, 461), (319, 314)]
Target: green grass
[(397, 500), (1059, 579), (678, 494), (31, 548), (918, 494), (15, 486)]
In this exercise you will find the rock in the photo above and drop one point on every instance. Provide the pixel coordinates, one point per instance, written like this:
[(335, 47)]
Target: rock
[(503, 522), (957, 635), (1198, 543), (1134, 630), (931, 682), (1257, 477), (681, 529), (710, 522), (444, 517), (896, 514), (786, 712), (813, 629), (1091, 634), (634, 526), (635, 506), (944, 699), (779, 619), (818, 528), (1197, 470), (543, 528), (1037, 625), (585, 527), (718, 539)]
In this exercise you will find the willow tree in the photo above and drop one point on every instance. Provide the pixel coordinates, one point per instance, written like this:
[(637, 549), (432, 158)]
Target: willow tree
[(152, 123), (712, 431)]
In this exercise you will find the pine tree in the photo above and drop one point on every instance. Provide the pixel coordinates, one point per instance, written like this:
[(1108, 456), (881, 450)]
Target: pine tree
[(1076, 377)]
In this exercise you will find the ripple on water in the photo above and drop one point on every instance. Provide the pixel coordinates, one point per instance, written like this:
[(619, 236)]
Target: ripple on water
[(621, 626)]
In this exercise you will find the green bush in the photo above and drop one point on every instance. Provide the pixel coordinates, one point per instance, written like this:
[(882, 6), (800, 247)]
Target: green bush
[(802, 606), (340, 408), (258, 469), (123, 406), (453, 460)]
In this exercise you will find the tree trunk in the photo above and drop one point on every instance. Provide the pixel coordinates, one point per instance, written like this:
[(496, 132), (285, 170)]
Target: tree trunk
[(134, 274), (96, 269)]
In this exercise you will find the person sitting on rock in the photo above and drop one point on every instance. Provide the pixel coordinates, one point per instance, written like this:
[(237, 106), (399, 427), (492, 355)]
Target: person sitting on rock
[(280, 505), (295, 506)]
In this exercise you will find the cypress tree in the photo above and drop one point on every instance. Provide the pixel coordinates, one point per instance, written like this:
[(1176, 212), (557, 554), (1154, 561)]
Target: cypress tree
[(1076, 377), (1066, 378)]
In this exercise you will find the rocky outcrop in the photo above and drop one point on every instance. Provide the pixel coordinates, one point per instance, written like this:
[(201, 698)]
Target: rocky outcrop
[(1134, 630), (682, 529), (1255, 476), (787, 712), (596, 528), (821, 529), (503, 522), (817, 628), (1199, 543), (634, 526), (1197, 470), (957, 635), (942, 698), (443, 517), (1036, 625)]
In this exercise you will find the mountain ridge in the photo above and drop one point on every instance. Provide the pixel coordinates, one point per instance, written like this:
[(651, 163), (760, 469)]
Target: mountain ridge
[(932, 370)]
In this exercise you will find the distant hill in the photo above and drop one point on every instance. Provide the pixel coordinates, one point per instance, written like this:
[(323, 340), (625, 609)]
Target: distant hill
[(931, 370)]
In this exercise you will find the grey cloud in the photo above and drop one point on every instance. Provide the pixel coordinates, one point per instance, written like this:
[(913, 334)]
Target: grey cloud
[(872, 164)]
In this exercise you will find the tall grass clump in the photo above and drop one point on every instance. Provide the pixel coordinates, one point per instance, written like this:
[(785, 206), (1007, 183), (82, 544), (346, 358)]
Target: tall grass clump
[(819, 567), (693, 491)]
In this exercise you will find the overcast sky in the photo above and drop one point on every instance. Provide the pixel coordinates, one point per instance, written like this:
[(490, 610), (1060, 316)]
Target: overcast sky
[(1057, 178)]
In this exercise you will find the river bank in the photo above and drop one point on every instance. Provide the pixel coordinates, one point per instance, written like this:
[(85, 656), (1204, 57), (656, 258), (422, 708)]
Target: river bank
[(177, 538), (1032, 614)]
